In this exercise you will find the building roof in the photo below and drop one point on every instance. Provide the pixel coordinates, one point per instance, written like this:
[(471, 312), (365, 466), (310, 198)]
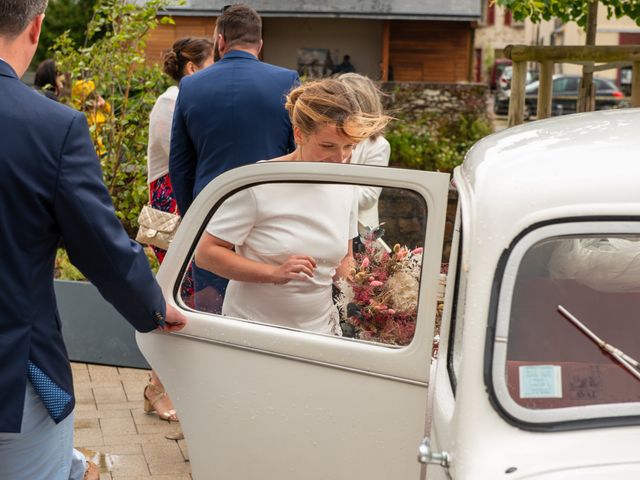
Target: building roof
[(464, 10)]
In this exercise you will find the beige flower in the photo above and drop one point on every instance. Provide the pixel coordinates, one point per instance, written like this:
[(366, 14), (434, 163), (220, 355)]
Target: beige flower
[(402, 292)]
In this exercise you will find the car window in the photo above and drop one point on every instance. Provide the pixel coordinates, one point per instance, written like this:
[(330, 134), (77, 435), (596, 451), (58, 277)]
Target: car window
[(285, 245), (551, 363), (604, 85), (564, 85)]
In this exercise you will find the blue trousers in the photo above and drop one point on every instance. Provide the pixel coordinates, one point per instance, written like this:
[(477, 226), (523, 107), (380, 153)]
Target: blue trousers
[(42, 450)]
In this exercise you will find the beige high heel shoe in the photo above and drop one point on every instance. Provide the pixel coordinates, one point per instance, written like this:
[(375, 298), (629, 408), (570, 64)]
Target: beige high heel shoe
[(152, 395)]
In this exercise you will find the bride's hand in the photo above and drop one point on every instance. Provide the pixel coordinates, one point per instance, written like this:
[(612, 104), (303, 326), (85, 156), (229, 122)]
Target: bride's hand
[(294, 268)]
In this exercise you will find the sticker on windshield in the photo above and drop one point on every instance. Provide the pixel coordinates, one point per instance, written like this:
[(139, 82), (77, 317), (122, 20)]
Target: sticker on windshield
[(540, 381)]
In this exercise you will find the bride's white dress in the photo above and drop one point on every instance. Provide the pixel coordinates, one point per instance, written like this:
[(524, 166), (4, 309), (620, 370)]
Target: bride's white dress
[(270, 222)]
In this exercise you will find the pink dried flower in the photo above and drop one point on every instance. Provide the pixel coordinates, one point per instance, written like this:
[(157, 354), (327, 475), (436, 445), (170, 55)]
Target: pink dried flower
[(365, 262), (417, 251), (376, 283)]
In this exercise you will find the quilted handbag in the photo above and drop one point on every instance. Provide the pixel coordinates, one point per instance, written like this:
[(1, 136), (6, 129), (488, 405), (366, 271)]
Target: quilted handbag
[(157, 228)]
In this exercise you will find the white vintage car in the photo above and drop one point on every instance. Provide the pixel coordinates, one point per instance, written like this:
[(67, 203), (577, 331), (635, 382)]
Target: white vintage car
[(548, 216)]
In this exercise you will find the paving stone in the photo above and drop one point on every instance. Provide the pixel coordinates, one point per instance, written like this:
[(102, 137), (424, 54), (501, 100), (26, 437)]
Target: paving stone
[(169, 468), (133, 439), (153, 477), (100, 373), (114, 432), (160, 427), (80, 373), (129, 465), (112, 393), (83, 392), (118, 426), (87, 436), (183, 448), (142, 418), (80, 423), (134, 389), (134, 373), (168, 452)]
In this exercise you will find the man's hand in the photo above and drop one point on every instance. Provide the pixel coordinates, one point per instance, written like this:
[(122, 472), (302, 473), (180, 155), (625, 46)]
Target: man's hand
[(174, 320)]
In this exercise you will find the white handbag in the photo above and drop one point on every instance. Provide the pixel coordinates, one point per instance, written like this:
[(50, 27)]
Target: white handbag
[(157, 228)]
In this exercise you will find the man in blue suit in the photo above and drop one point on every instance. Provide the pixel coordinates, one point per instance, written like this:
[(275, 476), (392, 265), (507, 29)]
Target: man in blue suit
[(228, 115), (51, 189)]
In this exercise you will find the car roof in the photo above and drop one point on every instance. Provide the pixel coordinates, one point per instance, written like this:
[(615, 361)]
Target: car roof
[(574, 165)]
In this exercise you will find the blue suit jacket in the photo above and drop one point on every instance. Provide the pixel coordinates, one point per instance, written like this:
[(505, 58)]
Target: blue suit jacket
[(51, 188), (228, 115)]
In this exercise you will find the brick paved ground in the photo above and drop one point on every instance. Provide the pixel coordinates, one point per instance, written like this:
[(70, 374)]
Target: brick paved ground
[(112, 429)]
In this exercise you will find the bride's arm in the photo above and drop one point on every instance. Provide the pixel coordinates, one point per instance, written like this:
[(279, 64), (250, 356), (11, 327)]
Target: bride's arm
[(346, 263), (217, 255)]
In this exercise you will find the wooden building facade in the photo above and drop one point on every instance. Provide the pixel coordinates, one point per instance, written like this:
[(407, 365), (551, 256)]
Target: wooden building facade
[(401, 40)]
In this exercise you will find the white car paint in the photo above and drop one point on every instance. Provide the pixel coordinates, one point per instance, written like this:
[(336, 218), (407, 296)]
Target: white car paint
[(262, 402)]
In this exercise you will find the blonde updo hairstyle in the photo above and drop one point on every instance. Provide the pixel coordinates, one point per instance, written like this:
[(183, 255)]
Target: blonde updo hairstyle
[(183, 51), (332, 102), (366, 93)]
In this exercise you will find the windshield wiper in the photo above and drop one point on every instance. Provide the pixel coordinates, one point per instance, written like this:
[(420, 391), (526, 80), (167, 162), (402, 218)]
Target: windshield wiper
[(630, 363)]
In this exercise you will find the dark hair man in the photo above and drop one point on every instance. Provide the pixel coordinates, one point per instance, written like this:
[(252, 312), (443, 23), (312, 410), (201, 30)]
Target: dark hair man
[(229, 114), (50, 189)]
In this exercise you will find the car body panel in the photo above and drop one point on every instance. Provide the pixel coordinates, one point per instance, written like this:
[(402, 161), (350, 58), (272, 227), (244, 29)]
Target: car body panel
[(257, 400), (523, 176)]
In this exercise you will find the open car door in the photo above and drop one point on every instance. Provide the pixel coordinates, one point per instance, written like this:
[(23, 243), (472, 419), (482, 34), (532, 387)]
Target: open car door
[(257, 400)]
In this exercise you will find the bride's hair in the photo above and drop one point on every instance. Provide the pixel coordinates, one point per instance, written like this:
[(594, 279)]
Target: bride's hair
[(367, 94), (332, 102)]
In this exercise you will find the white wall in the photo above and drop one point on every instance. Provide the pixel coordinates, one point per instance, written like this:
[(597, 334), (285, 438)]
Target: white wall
[(361, 39)]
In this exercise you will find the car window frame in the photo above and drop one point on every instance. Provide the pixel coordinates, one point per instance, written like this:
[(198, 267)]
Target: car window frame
[(496, 344)]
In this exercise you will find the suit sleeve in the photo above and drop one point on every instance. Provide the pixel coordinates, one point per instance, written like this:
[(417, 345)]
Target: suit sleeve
[(95, 239), (182, 160)]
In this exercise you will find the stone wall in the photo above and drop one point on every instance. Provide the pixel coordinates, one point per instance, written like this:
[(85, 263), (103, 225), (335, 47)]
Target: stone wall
[(410, 100), (404, 215)]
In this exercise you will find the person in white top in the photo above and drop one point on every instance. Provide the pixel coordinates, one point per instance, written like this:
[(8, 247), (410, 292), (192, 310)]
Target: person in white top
[(283, 245), (375, 150), (186, 56)]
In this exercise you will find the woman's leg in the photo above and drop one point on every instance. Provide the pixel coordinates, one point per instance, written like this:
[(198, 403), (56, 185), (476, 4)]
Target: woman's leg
[(160, 402)]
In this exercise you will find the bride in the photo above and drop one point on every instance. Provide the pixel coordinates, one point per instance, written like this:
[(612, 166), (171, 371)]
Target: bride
[(282, 245)]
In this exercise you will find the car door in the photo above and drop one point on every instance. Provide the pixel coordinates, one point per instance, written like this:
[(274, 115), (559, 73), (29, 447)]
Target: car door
[(257, 400)]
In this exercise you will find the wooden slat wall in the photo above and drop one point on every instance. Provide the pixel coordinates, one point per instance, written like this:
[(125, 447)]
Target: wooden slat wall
[(163, 37), (430, 51)]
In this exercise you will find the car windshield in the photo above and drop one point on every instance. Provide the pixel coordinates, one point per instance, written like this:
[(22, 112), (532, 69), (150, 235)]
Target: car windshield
[(597, 280)]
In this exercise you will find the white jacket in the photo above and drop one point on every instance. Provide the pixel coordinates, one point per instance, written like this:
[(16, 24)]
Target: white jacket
[(370, 152)]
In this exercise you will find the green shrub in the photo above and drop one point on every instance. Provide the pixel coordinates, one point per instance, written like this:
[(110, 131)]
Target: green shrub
[(64, 269), (111, 64), (437, 141)]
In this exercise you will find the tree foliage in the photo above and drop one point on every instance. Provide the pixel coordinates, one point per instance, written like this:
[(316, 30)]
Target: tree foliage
[(111, 66), (63, 15), (568, 10)]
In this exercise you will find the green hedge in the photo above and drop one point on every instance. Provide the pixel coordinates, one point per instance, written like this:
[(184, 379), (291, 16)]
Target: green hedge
[(437, 141)]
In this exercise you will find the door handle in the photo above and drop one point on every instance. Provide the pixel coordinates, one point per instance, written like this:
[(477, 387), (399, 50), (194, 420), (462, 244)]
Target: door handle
[(426, 455)]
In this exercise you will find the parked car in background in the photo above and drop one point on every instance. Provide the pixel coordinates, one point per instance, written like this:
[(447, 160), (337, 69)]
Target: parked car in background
[(517, 390), (496, 71), (565, 96), (504, 82)]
